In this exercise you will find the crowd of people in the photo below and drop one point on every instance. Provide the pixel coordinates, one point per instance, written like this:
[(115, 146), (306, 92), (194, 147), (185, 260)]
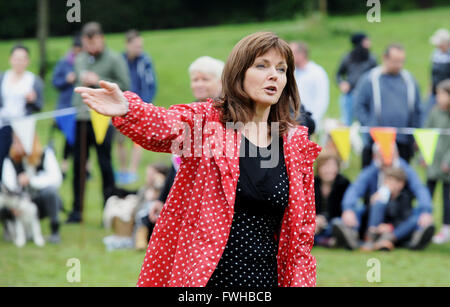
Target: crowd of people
[(374, 212)]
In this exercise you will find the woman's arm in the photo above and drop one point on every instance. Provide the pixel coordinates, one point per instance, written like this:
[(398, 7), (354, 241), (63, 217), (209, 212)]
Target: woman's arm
[(154, 128)]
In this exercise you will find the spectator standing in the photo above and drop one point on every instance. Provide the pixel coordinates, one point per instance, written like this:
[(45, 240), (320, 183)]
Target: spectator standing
[(312, 83), (94, 63), (388, 96), (143, 83), (21, 93), (64, 79), (352, 67), (440, 61), (440, 169)]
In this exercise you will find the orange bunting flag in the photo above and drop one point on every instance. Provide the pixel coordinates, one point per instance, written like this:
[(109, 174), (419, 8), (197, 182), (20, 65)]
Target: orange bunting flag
[(341, 138), (385, 138)]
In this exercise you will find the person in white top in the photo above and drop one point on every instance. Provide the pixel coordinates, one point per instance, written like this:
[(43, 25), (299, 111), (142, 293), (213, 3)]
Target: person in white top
[(37, 175), (21, 93), (312, 82)]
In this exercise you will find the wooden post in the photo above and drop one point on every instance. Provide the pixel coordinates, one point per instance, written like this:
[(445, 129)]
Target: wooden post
[(42, 34)]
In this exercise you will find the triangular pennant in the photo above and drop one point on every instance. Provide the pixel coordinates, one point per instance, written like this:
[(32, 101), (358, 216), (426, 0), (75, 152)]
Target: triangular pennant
[(100, 124), (67, 125), (24, 129), (385, 139), (341, 138), (427, 140)]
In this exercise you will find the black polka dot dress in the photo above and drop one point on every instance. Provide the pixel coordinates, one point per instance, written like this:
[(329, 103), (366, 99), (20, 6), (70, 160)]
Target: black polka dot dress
[(249, 258)]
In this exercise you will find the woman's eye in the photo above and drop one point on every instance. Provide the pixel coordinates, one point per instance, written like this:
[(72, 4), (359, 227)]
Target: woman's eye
[(260, 66), (282, 69)]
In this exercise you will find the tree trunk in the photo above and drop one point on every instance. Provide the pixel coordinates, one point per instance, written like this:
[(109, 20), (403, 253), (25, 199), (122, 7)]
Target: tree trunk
[(42, 33), (323, 7)]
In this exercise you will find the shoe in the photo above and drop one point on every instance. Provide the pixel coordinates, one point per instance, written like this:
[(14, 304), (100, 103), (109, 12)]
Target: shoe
[(74, 218), (442, 237), (54, 239), (421, 238), (386, 242), (345, 236), (368, 245)]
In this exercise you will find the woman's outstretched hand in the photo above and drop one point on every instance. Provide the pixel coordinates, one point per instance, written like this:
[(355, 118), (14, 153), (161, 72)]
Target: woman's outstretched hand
[(107, 100)]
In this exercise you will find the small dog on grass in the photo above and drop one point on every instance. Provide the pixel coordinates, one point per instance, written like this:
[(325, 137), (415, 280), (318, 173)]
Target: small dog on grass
[(20, 218)]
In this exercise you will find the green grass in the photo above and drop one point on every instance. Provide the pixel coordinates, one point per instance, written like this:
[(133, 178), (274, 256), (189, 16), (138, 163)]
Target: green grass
[(172, 52)]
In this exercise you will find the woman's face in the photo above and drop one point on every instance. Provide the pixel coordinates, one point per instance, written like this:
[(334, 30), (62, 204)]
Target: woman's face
[(328, 171), (19, 60), (265, 79), (204, 85)]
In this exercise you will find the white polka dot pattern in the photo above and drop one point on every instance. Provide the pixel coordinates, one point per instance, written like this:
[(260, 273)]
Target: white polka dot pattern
[(192, 231)]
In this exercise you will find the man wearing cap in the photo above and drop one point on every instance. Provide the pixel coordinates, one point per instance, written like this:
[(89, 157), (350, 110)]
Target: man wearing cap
[(95, 63), (352, 67)]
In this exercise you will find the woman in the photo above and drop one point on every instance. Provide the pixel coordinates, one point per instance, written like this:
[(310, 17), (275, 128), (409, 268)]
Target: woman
[(39, 175), (330, 187), (21, 93), (221, 198), (205, 74)]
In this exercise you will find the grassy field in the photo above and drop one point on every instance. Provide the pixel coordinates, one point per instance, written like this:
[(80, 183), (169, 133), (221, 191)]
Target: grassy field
[(172, 52)]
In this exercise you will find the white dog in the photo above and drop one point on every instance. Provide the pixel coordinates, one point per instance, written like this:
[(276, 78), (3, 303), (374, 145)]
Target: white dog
[(25, 224)]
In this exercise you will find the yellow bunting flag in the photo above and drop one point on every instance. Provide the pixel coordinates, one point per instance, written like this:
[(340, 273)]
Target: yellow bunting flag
[(341, 138), (385, 139), (427, 139), (100, 124)]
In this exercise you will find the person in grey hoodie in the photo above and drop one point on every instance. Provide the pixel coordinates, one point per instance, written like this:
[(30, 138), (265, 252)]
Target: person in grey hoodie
[(388, 96)]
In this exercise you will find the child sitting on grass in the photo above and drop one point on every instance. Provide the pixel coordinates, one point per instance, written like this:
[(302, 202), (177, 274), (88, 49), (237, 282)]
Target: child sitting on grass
[(392, 218)]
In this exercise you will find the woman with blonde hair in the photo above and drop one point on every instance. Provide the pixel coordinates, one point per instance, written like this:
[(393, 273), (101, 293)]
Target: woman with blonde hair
[(231, 218)]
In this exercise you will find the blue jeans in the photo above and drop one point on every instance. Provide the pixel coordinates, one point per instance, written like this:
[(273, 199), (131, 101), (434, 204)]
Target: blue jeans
[(402, 231), (346, 103)]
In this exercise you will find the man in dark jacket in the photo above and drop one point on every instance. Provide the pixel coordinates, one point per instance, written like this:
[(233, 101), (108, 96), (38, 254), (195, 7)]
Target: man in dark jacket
[(64, 79)]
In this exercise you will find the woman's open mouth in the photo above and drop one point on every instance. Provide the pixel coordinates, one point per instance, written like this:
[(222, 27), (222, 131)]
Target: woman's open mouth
[(270, 90)]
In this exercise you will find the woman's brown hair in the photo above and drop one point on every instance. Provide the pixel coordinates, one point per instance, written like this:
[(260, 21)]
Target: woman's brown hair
[(236, 105)]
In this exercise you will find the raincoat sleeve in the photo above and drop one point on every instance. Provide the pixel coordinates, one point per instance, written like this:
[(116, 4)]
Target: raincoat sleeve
[(159, 129)]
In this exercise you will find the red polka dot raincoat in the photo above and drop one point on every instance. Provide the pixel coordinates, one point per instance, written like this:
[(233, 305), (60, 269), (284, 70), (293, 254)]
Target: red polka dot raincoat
[(192, 230)]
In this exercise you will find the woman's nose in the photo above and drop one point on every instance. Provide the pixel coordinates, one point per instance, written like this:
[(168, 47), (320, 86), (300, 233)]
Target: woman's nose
[(273, 74)]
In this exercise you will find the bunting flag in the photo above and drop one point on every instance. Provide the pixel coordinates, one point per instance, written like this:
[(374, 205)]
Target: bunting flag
[(100, 124), (385, 139), (341, 138), (427, 140), (24, 130), (67, 124)]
